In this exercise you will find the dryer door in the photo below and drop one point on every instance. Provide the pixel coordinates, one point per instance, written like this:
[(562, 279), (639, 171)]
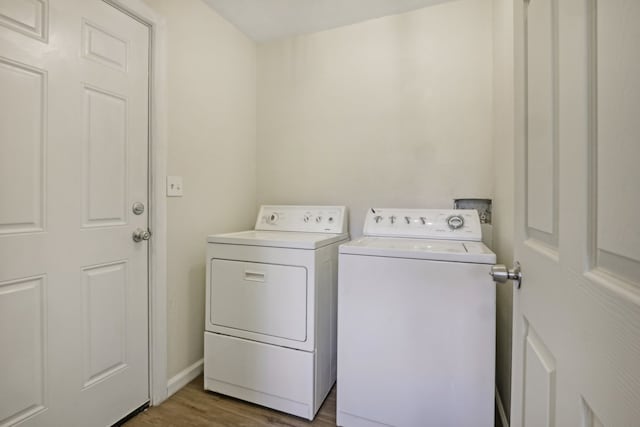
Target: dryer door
[(266, 299)]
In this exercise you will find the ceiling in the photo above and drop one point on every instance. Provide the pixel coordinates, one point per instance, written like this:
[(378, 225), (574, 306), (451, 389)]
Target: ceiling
[(264, 20)]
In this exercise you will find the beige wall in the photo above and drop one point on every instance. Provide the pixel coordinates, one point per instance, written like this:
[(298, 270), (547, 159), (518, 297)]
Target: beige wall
[(391, 112), (409, 110), (212, 137), (503, 125)]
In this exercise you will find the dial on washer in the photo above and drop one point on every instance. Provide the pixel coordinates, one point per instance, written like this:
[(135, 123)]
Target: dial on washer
[(455, 222)]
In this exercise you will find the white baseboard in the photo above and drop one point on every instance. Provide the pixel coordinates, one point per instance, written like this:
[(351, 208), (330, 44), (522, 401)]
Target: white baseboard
[(188, 374), (501, 413), (184, 377)]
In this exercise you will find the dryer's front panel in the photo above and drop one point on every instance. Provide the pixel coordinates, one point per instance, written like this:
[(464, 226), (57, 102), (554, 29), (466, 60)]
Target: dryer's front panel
[(269, 300)]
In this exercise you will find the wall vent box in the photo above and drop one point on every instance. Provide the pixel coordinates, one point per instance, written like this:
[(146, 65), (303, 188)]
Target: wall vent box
[(483, 206)]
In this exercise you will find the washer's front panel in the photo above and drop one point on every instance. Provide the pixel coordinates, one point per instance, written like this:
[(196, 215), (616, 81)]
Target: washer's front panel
[(416, 343), (266, 299)]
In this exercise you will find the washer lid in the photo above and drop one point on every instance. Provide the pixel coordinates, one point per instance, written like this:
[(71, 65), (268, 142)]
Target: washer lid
[(278, 239), (435, 250)]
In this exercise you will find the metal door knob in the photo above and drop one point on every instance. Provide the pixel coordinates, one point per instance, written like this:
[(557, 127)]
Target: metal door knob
[(501, 274), (140, 235)]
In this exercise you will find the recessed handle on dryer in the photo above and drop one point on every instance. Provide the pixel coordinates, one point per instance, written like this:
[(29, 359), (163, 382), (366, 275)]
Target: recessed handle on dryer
[(254, 276)]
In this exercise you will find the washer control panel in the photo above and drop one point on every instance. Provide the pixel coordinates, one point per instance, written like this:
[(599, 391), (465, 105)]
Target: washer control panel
[(309, 219), (445, 224)]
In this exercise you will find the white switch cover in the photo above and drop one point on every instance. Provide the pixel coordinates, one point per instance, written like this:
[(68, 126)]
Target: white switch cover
[(174, 186)]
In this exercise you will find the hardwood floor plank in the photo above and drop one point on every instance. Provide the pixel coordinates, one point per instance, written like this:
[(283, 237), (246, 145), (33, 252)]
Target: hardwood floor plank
[(192, 406)]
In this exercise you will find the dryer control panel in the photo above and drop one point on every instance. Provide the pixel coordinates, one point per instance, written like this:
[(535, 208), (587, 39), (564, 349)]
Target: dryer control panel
[(444, 224), (308, 219)]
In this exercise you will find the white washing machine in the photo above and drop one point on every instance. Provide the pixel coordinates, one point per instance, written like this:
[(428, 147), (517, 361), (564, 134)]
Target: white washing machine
[(270, 328), (416, 322)]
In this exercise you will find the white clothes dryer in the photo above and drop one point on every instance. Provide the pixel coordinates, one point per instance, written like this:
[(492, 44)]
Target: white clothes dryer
[(270, 328), (416, 322)]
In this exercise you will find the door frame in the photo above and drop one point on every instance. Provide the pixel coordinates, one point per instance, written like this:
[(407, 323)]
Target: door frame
[(157, 164), (520, 128)]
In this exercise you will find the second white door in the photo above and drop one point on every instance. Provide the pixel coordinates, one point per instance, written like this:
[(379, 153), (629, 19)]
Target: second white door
[(576, 354)]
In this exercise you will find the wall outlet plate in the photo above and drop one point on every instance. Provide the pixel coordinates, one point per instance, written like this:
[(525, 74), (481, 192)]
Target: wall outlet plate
[(174, 186)]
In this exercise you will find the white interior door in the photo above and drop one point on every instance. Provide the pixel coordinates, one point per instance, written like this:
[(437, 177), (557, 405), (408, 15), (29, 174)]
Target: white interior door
[(576, 355), (73, 160)]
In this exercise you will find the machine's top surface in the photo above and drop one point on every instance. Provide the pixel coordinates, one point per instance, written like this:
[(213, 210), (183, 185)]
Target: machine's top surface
[(278, 239), (287, 226), (429, 234), (441, 224), (308, 219), (424, 249)]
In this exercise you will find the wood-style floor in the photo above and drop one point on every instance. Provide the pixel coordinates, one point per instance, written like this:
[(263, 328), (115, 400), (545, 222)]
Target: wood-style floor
[(192, 406)]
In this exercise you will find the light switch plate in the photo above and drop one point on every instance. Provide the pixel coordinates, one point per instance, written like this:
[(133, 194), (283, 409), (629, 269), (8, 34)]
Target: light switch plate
[(174, 186)]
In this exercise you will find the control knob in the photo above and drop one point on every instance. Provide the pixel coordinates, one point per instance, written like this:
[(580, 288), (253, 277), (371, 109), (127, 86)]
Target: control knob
[(455, 222), (273, 218)]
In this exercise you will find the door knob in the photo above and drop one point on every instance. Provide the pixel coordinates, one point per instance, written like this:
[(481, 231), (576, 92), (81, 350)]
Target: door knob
[(140, 235), (501, 274)]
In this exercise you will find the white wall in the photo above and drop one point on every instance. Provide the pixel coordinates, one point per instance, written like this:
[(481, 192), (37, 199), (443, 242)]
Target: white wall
[(391, 112), (212, 137), (409, 110), (503, 125)]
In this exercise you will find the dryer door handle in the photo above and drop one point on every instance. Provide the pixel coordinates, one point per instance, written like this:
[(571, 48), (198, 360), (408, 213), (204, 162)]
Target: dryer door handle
[(254, 276)]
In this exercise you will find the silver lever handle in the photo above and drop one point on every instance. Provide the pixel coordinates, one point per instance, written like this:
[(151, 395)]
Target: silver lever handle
[(501, 274), (140, 235)]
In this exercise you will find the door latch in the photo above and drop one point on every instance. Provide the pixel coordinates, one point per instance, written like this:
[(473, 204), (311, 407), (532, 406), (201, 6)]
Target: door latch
[(140, 235), (501, 274)]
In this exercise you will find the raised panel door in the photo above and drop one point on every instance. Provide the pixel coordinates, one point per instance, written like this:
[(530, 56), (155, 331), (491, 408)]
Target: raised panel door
[(73, 159), (577, 314)]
